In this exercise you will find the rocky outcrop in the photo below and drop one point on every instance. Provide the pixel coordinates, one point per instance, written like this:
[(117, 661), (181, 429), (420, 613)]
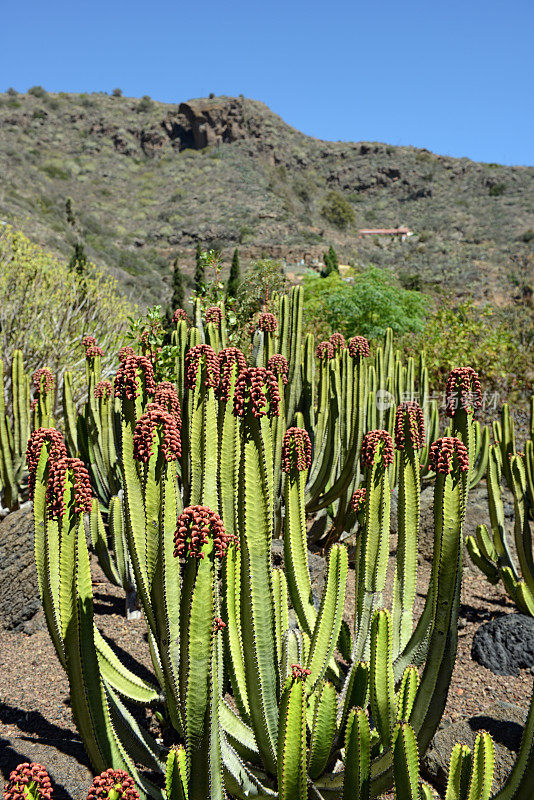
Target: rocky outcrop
[(203, 123), (506, 644), (20, 604)]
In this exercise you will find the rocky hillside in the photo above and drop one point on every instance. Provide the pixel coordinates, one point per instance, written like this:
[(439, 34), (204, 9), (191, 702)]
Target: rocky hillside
[(149, 180)]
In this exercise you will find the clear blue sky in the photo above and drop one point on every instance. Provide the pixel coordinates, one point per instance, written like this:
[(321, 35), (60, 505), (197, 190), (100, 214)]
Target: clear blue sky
[(454, 76)]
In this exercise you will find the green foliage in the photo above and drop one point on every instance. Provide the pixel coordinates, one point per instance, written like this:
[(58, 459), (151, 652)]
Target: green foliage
[(45, 308), (37, 91), (200, 270), (464, 333), (497, 189), (365, 303), (262, 279), (148, 335), (116, 92), (78, 262), (337, 211), (527, 236), (234, 278), (331, 262), (145, 104)]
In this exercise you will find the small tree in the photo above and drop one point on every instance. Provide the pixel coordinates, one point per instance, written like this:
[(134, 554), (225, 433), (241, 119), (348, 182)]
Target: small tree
[(117, 92), (178, 292), (331, 262), (337, 211), (200, 271), (78, 261), (235, 275), (69, 211)]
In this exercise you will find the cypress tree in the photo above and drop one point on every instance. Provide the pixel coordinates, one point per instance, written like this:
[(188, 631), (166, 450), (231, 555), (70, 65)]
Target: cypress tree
[(235, 275), (78, 261), (331, 262), (178, 293), (200, 271)]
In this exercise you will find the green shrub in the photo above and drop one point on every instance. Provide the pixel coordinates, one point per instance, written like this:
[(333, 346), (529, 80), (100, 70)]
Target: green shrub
[(497, 189), (337, 211), (39, 113), (117, 92), (37, 91), (364, 304), (527, 236), (145, 104), (12, 92), (56, 171)]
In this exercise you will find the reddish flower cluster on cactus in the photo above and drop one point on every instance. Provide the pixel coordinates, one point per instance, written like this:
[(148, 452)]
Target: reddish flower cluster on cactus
[(166, 396), (91, 348), (337, 340), (103, 389), (178, 315), (24, 775), (33, 451), (300, 673), (267, 323), (55, 490), (442, 454), (196, 525), (325, 351), (357, 500), (145, 430), (409, 415), (296, 450), (213, 315), (229, 356), (210, 360), (255, 387), (463, 391), (126, 378), (278, 364), (126, 352), (219, 625), (358, 347), (115, 779), (370, 444), (43, 381)]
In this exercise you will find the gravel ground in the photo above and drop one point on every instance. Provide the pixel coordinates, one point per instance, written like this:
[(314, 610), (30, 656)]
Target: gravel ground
[(35, 717)]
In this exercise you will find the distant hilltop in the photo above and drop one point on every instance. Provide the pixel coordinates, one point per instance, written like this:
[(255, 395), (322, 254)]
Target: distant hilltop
[(149, 180)]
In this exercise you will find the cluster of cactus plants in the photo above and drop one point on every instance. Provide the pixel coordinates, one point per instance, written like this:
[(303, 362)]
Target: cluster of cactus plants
[(266, 692)]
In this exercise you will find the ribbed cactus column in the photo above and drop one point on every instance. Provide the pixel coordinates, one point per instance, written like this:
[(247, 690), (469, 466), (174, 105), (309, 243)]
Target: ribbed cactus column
[(43, 398), (202, 541), (464, 398), (256, 402), (268, 325), (409, 439)]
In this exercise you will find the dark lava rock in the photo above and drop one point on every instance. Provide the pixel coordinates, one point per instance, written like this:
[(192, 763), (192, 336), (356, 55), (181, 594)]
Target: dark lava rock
[(505, 724), (505, 645), (20, 604)]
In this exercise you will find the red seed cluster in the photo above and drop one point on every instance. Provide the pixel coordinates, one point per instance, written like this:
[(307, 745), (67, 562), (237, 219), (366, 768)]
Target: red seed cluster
[(166, 396), (358, 347), (463, 391), (370, 444), (267, 323), (254, 387), (126, 380), (24, 775), (409, 416), (88, 341), (443, 451), (324, 351), (210, 360), (337, 340), (214, 315), (145, 430), (300, 673), (228, 356), (43, 380), (278, 364), (115, 779), (219, 625), (178, 315), (296, 450), (357, 500), (126, 352), (33, 451), (103, 389), (55, 490), (196, 525)]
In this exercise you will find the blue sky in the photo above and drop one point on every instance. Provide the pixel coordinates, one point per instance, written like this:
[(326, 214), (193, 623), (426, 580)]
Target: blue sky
[(455, 77)]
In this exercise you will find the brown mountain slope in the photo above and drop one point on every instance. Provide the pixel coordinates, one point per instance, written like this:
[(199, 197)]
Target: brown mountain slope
[(150, 180)]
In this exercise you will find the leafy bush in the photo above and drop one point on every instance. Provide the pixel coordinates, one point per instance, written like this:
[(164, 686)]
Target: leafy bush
[(365, 304), (337, 210), (145, 104), (117, 92), (45, 309), (37, 91), (497, 189), (527, 236)]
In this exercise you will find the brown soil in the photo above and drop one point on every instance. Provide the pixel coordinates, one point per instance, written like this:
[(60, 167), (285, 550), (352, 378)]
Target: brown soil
[(35, 717)]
